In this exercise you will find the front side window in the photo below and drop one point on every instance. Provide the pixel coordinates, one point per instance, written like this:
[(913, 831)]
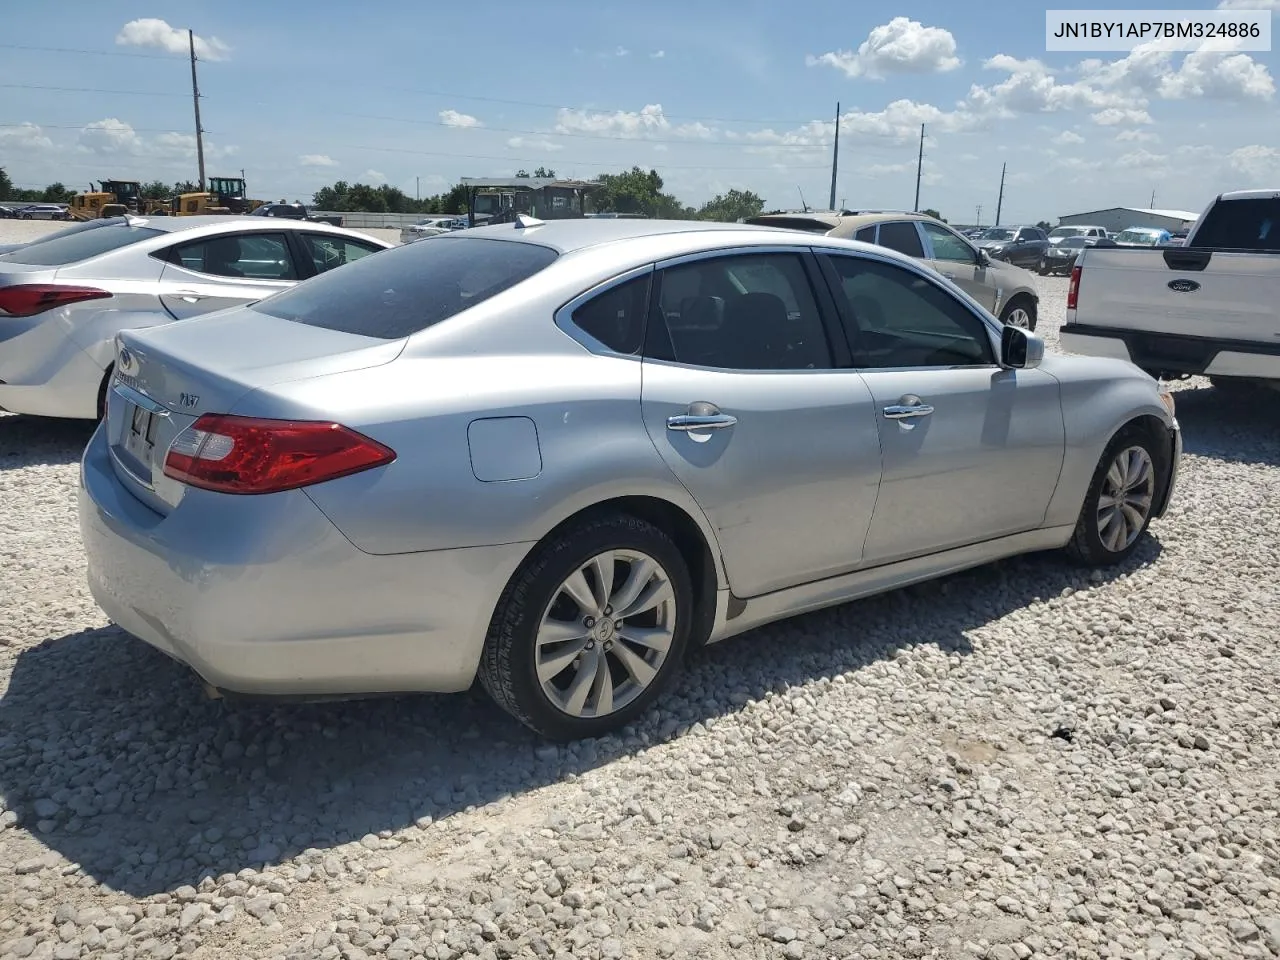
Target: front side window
[(616, 317), (747, 312), (947, 246), (903, 320), (327, 252), (254, 256), (902, 236)]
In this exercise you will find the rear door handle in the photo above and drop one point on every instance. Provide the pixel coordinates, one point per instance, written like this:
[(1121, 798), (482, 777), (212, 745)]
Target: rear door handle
[(688, 422), (907, 411), (949, 276)]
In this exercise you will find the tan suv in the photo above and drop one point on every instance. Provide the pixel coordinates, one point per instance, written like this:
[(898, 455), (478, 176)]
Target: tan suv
[(1009, 292)]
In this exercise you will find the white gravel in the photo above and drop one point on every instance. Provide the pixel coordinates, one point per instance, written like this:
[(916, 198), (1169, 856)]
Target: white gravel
[(1023, 760)]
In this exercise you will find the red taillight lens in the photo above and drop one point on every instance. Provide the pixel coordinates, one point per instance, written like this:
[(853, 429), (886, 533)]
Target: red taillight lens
[(249, 455), (1073, 291), (28, 299)]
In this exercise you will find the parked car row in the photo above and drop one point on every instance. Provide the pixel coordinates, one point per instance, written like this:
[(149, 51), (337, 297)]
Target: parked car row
[(554, 457), (34, 211)]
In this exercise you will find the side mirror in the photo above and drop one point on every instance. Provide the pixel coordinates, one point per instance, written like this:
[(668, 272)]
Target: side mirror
[(984, 258), (1020, 349)]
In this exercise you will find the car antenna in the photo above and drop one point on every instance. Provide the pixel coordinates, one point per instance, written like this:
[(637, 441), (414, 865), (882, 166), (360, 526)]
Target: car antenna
[(523, 221), (803, 206)]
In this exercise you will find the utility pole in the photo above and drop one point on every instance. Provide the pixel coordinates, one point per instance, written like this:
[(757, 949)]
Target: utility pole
[(1000, 202), (417, 188), (919, 169), (195, 97), (835, 157), (1151, 206), (979, 215)]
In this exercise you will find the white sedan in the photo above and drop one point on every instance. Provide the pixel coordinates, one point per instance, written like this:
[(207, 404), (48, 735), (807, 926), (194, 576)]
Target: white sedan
[(64, 298)]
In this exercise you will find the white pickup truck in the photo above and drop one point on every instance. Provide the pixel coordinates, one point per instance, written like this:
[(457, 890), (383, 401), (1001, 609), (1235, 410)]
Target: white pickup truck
[(1211, 307)]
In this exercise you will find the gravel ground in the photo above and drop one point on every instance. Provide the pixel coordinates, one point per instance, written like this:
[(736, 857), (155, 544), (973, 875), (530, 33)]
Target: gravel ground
[(1021, 761)]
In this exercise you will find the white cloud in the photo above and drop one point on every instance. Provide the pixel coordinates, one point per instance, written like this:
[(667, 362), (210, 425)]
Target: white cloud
[(25, 136), (1220, 76), (1273, 5), (1256, 161), (159, 35), (110, 136), (1136, 136), (900, 46), (657, 55), (1068, 136), (647, 122), (533, 143), (621, 52), (317, 160), (372, 177), (452, 118)]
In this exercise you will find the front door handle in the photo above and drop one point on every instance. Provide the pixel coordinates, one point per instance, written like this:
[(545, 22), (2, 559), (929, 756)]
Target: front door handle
[(907, 411), (949, 276), (190, 296), (688, 422)]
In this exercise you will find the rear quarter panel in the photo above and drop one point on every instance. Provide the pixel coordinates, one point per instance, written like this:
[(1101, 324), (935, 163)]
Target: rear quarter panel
[(1099, 396), (592, 447)]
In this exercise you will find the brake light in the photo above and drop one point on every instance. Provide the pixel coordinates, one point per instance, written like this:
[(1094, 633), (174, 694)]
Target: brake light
[(1073, 291), (248, 455), (28, 299)]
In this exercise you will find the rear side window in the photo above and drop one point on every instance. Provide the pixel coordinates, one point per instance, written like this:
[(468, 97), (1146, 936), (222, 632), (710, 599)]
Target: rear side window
[(1241, 225), (407, 289), (616, 317), (81, 245), (866, 235), (903, 237)]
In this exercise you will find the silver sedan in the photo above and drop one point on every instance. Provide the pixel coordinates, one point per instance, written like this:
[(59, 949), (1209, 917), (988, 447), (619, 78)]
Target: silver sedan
[(63, 298), (560, 455)]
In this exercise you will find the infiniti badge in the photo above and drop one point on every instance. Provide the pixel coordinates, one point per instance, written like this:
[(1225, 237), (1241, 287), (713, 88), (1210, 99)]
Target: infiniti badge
[(1183, 285), (126, 359)]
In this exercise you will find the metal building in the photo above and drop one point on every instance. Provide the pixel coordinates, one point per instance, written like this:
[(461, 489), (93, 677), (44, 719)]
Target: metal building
[(1116, 219)]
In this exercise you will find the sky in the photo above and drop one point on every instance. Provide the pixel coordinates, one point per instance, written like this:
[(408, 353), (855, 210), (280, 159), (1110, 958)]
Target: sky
[(715, 95)]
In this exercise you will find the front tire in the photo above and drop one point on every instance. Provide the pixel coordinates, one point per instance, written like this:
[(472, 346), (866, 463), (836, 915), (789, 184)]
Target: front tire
[(590, 630), (1019, 312), (1117, 507)]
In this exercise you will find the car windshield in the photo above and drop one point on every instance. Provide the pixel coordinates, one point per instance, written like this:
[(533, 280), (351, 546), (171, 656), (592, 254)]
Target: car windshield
[(1137, 236), (406, 289), (1074, 242), (997, 234), (73, 245), (1066, 232)]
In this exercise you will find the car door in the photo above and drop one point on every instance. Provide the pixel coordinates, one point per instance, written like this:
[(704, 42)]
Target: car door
[(971, 451), (224, 270), (953, 257), (745, 399)]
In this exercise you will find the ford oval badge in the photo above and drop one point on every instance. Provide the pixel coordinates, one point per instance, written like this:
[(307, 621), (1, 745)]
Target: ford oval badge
[(1183, 285)]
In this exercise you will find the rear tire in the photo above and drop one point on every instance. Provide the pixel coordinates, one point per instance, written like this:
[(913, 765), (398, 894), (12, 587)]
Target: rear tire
[(102, 392), (1117, 507), (558, 657)]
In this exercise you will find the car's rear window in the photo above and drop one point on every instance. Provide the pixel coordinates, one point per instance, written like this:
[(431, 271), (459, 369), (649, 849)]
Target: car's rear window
[(806, 224), (1246, 224), (400, 291), (74, 245)]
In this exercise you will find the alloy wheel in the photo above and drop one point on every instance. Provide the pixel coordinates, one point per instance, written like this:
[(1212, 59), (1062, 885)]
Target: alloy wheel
[(1018, 317), (605, 634), (1128, 489)]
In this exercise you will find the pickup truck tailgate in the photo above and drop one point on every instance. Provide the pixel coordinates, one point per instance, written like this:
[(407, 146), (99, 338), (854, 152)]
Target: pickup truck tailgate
[(1181, 292)]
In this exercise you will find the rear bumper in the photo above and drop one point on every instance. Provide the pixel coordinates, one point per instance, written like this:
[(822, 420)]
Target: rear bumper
[(263, 596), (1166, 353)]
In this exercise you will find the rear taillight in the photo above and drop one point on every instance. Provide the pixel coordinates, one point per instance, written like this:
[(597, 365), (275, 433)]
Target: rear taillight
[(1073, 291), (28, 299), (249, 455)]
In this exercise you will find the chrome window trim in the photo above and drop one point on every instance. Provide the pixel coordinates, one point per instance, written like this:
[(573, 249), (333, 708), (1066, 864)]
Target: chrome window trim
[(563, 317)]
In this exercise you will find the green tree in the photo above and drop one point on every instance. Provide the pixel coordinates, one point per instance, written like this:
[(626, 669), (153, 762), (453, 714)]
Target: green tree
[(56, 193), (156, 190), (636, 191), (185, 186), (731, 207), (1044, 225), (933, 213), (6, 185)]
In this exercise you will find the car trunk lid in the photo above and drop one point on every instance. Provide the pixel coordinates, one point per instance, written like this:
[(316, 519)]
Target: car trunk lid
[(166, 377)]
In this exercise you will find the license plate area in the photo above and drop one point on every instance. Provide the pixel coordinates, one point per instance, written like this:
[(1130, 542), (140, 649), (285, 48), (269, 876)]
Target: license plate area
[(140, 434)]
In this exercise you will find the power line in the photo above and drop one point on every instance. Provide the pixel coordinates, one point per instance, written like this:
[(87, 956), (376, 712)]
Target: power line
[(685, 141), (81, 126), (95, 53), (117, 93)]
